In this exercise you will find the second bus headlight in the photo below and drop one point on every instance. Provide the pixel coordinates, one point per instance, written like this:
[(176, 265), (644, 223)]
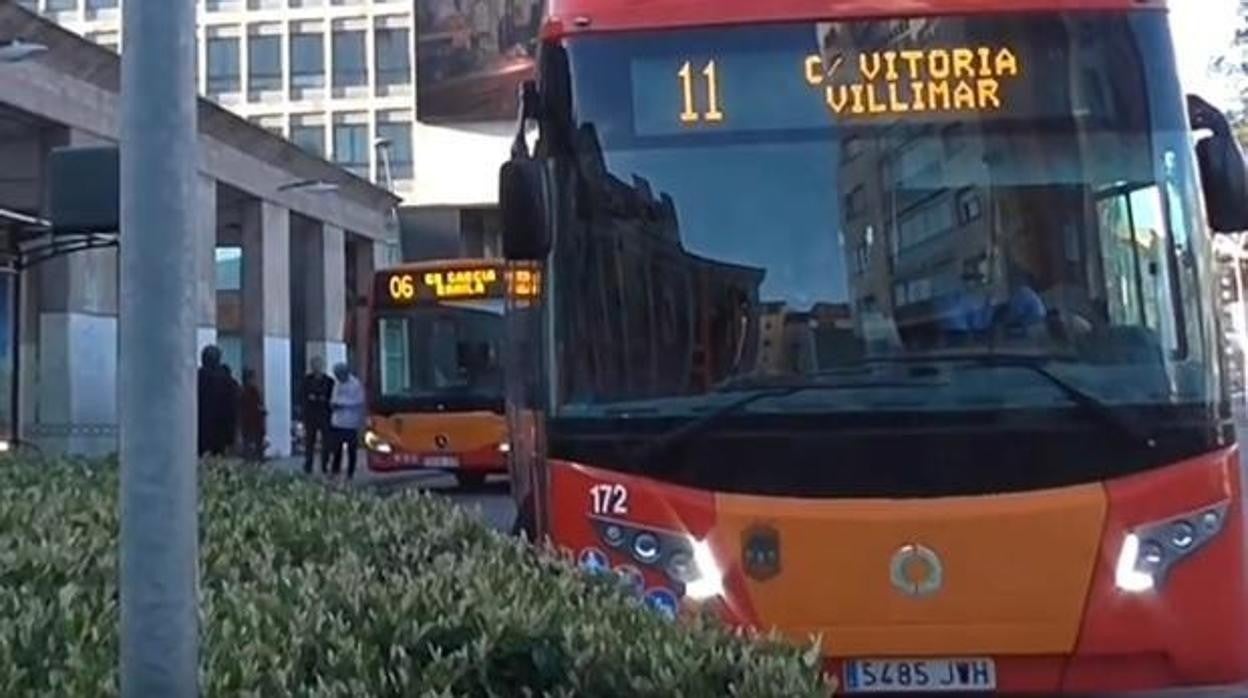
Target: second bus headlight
[(376, 444)]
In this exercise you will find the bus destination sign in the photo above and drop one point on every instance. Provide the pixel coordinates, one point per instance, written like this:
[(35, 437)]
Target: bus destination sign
[(407, 287), (403, 287), (709, 90)]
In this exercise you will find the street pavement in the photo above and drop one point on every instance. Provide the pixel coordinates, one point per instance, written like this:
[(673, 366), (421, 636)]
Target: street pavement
[(490, 502)]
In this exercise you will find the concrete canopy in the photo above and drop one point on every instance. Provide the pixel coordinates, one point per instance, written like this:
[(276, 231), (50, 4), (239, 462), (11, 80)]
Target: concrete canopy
[(76, 84)]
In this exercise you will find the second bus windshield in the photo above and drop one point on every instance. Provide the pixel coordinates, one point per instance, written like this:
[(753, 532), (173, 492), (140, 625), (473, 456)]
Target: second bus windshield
[(441, 351)]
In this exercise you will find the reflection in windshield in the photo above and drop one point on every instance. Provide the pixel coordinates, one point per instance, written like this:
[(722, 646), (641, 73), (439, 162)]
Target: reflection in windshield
[(1056, 227), (445, 350)]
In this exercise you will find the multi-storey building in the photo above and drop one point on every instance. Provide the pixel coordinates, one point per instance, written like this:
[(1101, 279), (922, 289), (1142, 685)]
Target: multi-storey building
[(340, 78)]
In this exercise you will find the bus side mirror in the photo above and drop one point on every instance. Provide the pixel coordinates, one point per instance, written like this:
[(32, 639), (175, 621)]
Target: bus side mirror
[(1225, 183), (1223, 173), (522, 200)]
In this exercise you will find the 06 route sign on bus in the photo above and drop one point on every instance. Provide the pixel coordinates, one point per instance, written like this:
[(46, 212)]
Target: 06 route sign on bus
[(406, 286)]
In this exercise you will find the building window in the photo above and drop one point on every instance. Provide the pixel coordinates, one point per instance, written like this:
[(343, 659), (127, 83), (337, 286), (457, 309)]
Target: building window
[(272, 123), (101, 4), (108, 40), (223, 65), (862, 258), (970, 206), (351, 149), (350, 59), (310, 138), (924, 225), (307, 60), (264, 63), (394, 57), (856, 202), (914, 291), (399, 136), (851, 149), (61, 5), (229, 269)]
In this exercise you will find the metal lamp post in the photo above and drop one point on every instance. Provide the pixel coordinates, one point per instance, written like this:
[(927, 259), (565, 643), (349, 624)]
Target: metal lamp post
[(159, 486), (383, 147)]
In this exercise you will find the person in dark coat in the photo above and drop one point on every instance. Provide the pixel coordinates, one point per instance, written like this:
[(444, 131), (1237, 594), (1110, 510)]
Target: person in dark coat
[(218, 404), (252, 417), (314, 396)]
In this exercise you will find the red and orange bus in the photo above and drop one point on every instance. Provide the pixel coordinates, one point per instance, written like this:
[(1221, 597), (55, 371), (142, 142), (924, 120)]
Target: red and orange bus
[(435, 378), (891, 325)]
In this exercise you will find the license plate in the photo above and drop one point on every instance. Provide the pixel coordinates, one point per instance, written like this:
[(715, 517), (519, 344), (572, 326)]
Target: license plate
[(919, 675), (441, 462)]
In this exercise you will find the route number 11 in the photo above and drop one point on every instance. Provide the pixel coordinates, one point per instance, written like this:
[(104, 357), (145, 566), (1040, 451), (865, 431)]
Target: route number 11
[(713, 113)]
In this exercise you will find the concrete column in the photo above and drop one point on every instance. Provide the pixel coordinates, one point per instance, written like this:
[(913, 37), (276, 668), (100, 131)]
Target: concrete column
[(364, 259), (28, 361), (75, 373), (206, 264), (325, 300), (266, 313), (76, 391)]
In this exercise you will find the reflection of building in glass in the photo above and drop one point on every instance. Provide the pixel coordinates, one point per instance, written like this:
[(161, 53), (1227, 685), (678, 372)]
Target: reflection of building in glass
[(958, 215), (804, 342), (472, 55), (912, 233), (652, 318), (1232, 263)]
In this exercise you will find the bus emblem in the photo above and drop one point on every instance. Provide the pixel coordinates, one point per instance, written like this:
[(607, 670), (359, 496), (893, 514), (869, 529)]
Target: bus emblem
[(761, 553), (916, 571), (441, 441)]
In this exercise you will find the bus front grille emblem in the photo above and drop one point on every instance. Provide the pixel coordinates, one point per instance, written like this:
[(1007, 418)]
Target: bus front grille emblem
[(441, 441), (916, 571)]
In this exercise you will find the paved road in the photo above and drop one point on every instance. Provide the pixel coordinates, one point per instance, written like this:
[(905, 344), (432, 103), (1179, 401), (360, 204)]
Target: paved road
[(492, 502)]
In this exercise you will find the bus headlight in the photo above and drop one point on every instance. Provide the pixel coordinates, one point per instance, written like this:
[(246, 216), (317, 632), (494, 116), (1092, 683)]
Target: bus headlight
[(646, 548), (504, 448), (687, 561), (376, 444), (709, 580), (1149, 552)]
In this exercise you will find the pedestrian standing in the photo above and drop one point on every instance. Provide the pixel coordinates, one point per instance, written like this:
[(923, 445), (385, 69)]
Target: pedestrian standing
[(346, 419), (231, 392), (252, 416), (315, 393), (217, 398)]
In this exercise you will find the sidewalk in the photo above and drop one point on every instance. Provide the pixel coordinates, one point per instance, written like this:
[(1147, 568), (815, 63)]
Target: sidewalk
[(364, 478)]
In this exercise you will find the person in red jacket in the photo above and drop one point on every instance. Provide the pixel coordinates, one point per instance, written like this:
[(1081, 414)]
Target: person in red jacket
[(252, 418)]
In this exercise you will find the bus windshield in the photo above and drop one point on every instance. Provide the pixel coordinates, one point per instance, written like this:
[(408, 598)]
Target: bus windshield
[(443, 357), (918, 219)]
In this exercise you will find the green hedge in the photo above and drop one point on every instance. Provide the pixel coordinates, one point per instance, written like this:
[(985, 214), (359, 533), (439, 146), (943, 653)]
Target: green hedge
[(311, 592)]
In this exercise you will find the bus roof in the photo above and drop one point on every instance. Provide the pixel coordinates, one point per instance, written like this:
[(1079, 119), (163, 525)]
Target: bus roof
[(442, 264), (578, 16)]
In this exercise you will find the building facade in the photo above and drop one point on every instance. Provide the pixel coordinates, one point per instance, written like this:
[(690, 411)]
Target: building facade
[(415, 95), (278, 262)]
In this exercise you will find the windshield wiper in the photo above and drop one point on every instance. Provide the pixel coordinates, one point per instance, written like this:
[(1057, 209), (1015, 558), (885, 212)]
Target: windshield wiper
[(1088, 403), (670, 440)]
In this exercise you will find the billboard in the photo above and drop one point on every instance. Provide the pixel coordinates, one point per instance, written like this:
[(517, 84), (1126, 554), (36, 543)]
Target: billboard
[(472, 55)]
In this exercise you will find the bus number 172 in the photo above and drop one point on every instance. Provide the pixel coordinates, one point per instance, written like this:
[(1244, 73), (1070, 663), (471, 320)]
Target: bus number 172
[(609, 500)]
